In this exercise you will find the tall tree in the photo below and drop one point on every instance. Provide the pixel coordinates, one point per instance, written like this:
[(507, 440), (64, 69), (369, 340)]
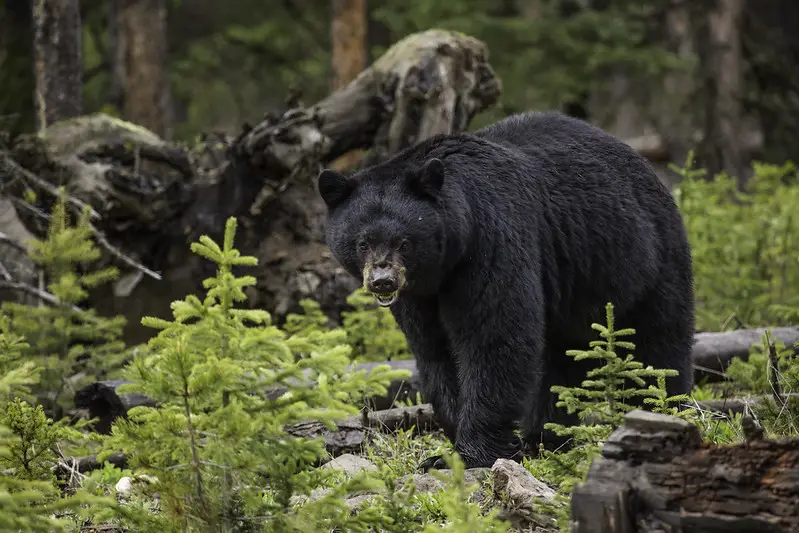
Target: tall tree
[(348, 36), (58, 62), (722, 64), (141, 86)]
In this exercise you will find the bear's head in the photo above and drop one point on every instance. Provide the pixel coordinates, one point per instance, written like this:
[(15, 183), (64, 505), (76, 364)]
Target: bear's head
[(385, 226)]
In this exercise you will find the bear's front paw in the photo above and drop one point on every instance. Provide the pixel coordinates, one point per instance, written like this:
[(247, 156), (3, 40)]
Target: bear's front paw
[(436, 462), (483, 453)]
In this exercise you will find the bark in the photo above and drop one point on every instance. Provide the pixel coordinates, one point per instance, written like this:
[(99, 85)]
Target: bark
[(722, 62), (58, 63), (140, 85), (655, 475), (348, 36)]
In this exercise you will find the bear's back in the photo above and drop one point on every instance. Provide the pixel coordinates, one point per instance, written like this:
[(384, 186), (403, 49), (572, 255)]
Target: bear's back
[(572, 153)]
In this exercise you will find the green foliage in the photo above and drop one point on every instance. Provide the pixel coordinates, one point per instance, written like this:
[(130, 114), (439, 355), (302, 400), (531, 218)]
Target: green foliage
[(217, 442), (372, 331), (744, 245), (461, 515), (31, 451), (772, 370), (62, 338), (574, 50), (16, 374), (606, 392), (29, 498)]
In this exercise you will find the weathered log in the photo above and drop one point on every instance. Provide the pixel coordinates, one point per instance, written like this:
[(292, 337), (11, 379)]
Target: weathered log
[(656, 475), (739, 405), (713, 352), (166, 195)]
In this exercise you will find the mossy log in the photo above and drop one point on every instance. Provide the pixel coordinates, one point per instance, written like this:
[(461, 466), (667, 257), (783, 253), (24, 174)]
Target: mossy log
[(153, 198)]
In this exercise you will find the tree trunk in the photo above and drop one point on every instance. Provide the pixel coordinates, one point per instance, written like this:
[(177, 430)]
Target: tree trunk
[(348, 39), (140, 83), (655, 475), (721, 61), (58, 63)]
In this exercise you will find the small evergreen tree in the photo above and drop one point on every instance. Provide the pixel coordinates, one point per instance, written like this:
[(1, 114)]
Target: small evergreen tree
[(29, 498), (217, 443), (61, 337), (608, 392)]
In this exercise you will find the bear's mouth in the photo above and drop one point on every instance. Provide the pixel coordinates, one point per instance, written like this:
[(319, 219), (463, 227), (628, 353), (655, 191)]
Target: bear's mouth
[(385, 299)]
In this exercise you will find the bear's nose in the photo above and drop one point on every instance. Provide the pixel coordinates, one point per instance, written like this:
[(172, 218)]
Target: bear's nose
[(384, 284)]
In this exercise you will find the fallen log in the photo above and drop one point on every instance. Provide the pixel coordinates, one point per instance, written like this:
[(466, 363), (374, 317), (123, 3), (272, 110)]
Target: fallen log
[(712, 354), (656, 475), (153, 198), (349, 436)]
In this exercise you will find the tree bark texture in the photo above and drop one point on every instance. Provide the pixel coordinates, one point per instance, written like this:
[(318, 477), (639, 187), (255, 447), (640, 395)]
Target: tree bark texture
[(58, 63), (348, 37), (655, 475), (140, 71), (154, 198)]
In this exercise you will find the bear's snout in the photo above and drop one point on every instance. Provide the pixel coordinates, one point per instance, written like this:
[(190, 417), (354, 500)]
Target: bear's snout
[(384, 280)]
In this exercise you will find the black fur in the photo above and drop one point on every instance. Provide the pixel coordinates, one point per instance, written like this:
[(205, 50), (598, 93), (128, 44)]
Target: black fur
[(539, 221)]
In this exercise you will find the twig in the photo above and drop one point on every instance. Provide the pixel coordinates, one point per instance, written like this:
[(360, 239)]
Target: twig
[(41, 294), (12, 166), (101, 240), (122, 257), (773, 369)]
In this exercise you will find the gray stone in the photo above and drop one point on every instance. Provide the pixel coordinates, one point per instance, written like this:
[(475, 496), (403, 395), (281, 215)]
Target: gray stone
[(350, 464)]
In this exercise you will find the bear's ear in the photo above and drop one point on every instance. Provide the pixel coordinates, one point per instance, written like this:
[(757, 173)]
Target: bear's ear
[(334, 187), (429, 179)]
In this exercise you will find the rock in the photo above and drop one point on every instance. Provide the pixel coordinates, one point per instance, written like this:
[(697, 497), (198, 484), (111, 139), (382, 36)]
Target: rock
[(123, 486), (426, 483), (518, 490), (350, 464)]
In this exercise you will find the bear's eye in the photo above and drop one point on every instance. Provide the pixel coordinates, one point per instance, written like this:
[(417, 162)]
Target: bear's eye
[(363, 247), (405, 246)]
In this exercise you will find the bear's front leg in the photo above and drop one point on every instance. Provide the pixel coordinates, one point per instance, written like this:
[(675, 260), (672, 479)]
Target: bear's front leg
[(500, 371), (438, 378)]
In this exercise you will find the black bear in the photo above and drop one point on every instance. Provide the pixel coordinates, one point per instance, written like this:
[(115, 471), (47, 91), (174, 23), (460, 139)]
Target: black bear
[(497, 249)]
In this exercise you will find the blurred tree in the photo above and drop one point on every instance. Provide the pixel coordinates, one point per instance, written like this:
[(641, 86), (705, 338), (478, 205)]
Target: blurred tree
[(722, 85), (140, 85), (58, 62), (348, 56), (348, 38), (771, 53), (16, 57)]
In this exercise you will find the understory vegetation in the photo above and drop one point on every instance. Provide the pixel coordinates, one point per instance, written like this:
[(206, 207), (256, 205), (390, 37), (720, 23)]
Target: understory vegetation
[(214, 452)]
